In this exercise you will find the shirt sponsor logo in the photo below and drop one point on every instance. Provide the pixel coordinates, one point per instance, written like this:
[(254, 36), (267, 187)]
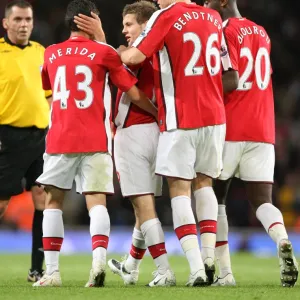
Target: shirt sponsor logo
[(224, 51)]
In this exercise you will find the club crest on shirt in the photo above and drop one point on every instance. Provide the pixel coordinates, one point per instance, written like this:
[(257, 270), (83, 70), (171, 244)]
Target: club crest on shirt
[(144, 33)]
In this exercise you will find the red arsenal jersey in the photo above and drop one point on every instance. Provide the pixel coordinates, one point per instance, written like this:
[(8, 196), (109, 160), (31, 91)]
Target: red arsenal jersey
[(187, 45), (250, 108), (127, 113), (78, 72)]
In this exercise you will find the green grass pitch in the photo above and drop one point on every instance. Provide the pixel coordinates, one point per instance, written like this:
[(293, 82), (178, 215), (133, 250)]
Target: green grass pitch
[(257, 278)]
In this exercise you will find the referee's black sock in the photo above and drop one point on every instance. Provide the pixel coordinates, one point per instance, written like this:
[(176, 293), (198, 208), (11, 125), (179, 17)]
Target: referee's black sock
[(37, 254)]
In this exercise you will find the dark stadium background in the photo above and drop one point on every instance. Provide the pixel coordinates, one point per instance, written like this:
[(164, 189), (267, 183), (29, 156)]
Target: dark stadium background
[(280, 19)]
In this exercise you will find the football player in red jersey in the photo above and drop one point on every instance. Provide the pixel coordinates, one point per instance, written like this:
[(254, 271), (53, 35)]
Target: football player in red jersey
[(250, 137), (187, 45), (135, 147), (78, 143)]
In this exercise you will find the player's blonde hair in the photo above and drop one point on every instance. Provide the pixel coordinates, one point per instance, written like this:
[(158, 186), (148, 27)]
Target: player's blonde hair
[(143, 10)]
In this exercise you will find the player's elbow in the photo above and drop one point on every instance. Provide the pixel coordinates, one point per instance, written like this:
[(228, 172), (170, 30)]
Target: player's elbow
[(230, 81), (126, 58), (130, 60), (132, 57)]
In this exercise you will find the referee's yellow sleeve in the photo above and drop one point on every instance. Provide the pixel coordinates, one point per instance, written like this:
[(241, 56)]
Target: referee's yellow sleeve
[(48, 94)]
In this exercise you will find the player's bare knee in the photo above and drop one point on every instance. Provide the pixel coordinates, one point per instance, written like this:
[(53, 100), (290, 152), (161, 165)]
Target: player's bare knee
[(144, 207), (137, 224), (54, 197), (136, 207), (136, 213), (38, 197), (93, 199), (179, 187), (221, 188), (3, 207), (201, 181), (259, 193)]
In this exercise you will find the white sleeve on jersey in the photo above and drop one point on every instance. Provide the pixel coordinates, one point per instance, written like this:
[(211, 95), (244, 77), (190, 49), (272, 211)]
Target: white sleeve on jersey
[(225, 57)]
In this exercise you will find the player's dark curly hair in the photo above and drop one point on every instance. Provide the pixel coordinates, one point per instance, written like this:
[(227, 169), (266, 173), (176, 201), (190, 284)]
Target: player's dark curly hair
[(76, 7), (143, 10)]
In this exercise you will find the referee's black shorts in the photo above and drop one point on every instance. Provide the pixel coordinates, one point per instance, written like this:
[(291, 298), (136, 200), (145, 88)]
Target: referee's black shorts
[(21, 156)]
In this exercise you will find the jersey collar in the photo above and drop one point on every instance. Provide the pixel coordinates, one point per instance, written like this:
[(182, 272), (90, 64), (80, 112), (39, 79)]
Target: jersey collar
[(78, 38), (8, 41)]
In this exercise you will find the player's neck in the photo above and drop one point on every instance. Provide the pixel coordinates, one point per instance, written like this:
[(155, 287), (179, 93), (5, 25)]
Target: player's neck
[(185, 1), (15, 41), (79, 34), (231, 13)]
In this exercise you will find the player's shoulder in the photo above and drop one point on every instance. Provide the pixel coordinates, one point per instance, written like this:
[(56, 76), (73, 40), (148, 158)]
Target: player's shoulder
[(105, 49), (104, 46), (232, 26), (161, 14), (253, 24), (237, 28), (187, 7), (2, 43), (51, 48), (209, 11), (37, 46), (231, 23), (236, 23)]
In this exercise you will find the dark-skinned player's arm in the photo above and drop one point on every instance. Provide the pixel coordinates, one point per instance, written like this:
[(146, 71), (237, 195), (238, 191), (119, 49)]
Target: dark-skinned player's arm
[(230, 81)]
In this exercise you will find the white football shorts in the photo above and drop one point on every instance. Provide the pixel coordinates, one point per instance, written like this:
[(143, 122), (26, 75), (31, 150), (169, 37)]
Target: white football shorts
[(184, 153), (249, 161), (93, 172), (135, 150)]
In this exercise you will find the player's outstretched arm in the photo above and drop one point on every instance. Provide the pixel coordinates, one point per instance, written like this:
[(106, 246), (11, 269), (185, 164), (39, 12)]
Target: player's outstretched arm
[(230, 80), (140, 99), (132, 56), (91, 25)]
